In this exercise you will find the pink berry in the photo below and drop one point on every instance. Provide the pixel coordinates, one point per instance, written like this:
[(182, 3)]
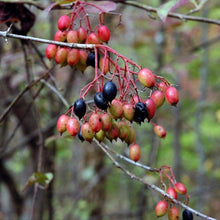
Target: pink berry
[(135, 152), (61, 123), (147, 78), (93, 38), (51, 51), (104, 33), (158, 98), (73, 57), (172, 95), (173, 213), (161, 208), (162, 86), (61, 56), (172, 192), (63, 23), (95, 122), (87, 132), (60, 36), (180, 188), (160, 131), (151, 108), (72, 37), (72, 126), (82, 34)]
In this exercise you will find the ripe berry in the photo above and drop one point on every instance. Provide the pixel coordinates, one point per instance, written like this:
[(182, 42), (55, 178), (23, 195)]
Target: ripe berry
[(180, 188), (104, 33), (172, 95), (73, 57), (151, 108), (80, 134), (187, 215), (51, 51), (61, 123), (160, 131), (63, 23), (100, 135), (72, 126), (131, 137), (61, 56), (172, 192), (80, 108), (100, 101), (162, 86), (109, 91), (106, 121), (87, 132), (173, 213), (104, 65), (116, 108), (135, 152), (60, 36), (161, 208), (95, 122), (113, 133), (90, 61), (158, 98), (93, 38), (83, 56), (128, 111), (147, 78), (72, 37), (140, 112), (82, 34)]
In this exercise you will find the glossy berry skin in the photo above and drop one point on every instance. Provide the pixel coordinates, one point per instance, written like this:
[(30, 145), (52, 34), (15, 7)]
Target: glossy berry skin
[(109, 91), (80, 134), (180, 188), (63, 22), (73, 57), (116, 108), (104, 33), (80, 108), (95, 122), (135, 152), (128, 111), (173, 213), (160, 131), (90, 61), (158, 97), (106, 121), (162, 86), (161, 208), (140, 112), (60, 36), (146, 77), (100, 101), (72, 126), (172, 95), (172, 192), (61, 56), (82, 34), (61, 123), (72, 37), (87, 132), (113, 133), (187, 215), (92, 39), (151, 108), (51, 51), (83, 56)]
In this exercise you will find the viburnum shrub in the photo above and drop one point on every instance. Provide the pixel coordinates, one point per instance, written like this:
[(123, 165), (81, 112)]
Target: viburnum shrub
[(116, 86)]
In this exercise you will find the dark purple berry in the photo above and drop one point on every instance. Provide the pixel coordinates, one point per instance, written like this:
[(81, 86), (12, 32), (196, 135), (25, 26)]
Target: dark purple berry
[(187, 215), (80, 135), (140, 112), (80, 108), (100, 101), (91, 59), (109, 91)]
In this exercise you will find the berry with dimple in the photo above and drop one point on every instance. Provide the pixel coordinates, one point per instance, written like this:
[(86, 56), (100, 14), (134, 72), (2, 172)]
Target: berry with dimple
[(72, 126), (151, 108), (109, 91), (180, 188), (82, 34), (106, 121), (113, 133), (116, 108), (135, 152), (104, 65), (128, 111), (172, 95), (140, 112), (80, 108), (60, 36), (87, 132), (61, 56), (173, 213), (100, 101), (51, 51), (160, 131), (95, 122), (73, 57), (100, 135), (162, 86), (72, 37), (131, 137), (161, 208), (158, 97), (146, 77), (104, 33), (172, 192), (187, 215), (92, 39), (63, 22), (61, 123)]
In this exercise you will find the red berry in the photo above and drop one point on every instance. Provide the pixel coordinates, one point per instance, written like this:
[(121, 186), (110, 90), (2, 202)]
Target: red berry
[(60, 36), (61, 56), (160, 131), (180, 188), (93, 38), (104, 33), (135, 99), (172, 192), (61, 123), (135, 152), (82, 34), (128, 111), (72, 37), (73, 57), (116, 108), (151, 108), (95, 122), (106, 121), (161, 208), (83, 56), (162, 86), (113, 133), (158, 98), (87, 132), (147, 78), (104, 65), (63, 23), (51, 51), (173, 213), (72, 126), (172, 95)]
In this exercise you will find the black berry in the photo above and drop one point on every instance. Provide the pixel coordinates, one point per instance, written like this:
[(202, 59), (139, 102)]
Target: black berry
[(80, 108), (187, 215), (109, 91), (91, 59), (100, 101), (140, 112), (80, 135)]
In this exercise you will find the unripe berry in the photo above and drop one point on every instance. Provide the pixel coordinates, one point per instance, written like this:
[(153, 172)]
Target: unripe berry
[(61, 56), (87, 132), (172, 95), (135, 152), (187, 215), (172, 192), (51, 51), (93, 38), (180, 188), (158, 97), (131, 137), (106, 121), (61, 123), (151, 108), (160, 131), (73, 57), (63, 23), (104, 65), (113, 133), (161, 208), (72, 37), (128, 111), (162, 86), (116, 108), (124, 130), (100, 135), (82, 34), (60, 36), (173, 213), (72, 126), (146, 77), (104, 33), (95, 122)]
